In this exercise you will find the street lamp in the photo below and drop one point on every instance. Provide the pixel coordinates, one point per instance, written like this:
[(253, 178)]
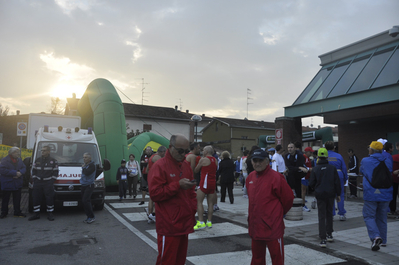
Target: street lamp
[(196, 118)]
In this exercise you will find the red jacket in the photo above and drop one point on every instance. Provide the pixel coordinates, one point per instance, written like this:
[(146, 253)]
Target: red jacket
[(395, 167), (174, 206), (270, 197)]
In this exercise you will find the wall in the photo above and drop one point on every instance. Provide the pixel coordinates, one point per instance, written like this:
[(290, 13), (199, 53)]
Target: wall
[(359, 136), (8, 126), (161, 127)]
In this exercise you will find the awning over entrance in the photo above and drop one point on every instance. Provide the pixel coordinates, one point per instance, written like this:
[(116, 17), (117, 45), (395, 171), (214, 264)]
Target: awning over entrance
[(362, 78)]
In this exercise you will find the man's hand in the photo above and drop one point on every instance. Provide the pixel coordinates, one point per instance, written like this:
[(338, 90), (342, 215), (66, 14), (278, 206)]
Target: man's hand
[(303, 169), (186, 184), (338, 198), (117, 182)]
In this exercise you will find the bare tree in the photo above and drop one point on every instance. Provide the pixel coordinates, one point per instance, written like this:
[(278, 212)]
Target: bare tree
[(4, 110), (56, 106)]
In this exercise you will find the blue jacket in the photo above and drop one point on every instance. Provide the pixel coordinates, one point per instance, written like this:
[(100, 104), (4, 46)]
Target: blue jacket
[(88, 174), (238, 165), (366, 168), (7, 172), (336, 160)]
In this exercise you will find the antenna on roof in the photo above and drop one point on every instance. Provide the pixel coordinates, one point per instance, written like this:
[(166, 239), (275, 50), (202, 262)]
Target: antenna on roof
[(248, 98), (180, 104), (142, 91)]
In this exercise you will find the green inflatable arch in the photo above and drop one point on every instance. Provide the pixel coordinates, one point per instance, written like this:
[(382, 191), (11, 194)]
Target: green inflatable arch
[(101, 108), (138, 143)]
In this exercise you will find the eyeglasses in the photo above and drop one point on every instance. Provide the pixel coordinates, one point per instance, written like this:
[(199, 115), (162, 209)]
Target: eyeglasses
[(44, 150), (181, 150)]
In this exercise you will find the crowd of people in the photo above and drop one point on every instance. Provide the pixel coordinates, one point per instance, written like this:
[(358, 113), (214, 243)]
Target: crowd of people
[(180, 177)]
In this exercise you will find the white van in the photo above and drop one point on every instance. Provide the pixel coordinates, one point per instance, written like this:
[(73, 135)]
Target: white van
[(67, 146)]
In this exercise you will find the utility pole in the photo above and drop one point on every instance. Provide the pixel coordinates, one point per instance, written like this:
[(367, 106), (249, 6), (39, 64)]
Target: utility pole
[(248, 98), (142, 90)]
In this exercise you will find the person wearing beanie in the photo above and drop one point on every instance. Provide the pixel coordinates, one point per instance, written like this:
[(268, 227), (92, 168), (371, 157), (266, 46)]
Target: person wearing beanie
[(326, 183)]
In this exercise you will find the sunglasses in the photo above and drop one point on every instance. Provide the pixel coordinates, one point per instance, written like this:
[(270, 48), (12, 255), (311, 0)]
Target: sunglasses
[(181, 150)]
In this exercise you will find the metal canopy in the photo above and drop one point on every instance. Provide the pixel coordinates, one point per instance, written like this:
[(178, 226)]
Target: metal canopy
[(367, 77)]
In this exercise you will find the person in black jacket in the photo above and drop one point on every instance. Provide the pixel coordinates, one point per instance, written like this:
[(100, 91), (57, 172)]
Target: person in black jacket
[(226, 170), (44, 173), (121, 179), (325, 181), (353, 167), (295, 169)]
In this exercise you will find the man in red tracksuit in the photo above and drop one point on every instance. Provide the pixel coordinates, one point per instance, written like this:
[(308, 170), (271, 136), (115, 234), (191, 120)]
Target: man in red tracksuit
[(270, 198), (171, 186)]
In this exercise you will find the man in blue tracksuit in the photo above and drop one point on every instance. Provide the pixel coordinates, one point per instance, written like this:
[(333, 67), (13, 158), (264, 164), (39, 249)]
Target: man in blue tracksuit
[(336, 160), (376, 201)]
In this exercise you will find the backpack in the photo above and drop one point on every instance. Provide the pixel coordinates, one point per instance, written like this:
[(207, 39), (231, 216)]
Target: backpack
[(382, 178)]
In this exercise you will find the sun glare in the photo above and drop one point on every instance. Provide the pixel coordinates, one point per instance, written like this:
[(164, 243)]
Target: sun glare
[(64, 91)]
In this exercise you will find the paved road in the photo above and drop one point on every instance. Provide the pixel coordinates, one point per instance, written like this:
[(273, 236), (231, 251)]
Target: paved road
[(121, 235)]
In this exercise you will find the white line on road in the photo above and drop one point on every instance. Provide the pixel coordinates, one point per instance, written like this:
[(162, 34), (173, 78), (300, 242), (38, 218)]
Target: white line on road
[(133, 229)]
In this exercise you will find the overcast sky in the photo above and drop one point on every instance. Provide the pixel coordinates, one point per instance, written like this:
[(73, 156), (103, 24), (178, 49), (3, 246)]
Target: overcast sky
[(199, 55)]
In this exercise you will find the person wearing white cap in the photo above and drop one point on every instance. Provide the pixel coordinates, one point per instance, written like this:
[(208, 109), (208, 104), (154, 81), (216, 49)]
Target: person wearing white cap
[(387, 149)]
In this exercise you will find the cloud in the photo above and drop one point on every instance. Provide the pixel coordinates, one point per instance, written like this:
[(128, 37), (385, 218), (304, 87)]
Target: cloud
[(206, 53), (69, 5)]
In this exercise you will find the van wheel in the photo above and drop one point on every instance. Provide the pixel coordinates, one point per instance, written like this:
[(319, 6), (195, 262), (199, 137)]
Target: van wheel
[(99, 207)]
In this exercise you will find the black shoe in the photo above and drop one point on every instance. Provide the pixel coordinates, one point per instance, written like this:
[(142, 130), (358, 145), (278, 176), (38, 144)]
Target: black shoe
[(376, 244), (3, 215), (22, 215), (34, 217), (323, 243), (141, 203), (330, 238), (50, 217)]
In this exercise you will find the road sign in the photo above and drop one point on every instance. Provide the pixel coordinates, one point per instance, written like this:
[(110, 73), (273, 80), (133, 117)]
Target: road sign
[(279, 134), (21, 128)]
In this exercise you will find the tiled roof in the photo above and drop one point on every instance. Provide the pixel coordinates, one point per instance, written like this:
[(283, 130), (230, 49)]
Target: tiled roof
[(242, 123), (136, 110)]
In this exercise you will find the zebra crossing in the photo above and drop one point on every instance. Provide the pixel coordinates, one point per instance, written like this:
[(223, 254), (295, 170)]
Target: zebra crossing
[(215, 245)]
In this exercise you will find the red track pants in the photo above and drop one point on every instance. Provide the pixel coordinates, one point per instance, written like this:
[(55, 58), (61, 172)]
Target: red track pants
[(172, 250), (276, 250)]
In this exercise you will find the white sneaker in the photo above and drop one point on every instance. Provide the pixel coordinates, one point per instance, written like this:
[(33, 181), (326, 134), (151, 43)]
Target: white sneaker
[(342, 217), (305, 209), (152, 217), (245, 196)]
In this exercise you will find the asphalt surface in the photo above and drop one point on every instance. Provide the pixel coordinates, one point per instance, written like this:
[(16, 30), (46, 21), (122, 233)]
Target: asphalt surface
[(121, 234)]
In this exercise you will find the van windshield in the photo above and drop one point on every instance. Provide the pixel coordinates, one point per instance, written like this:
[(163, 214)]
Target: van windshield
[(69, 153)]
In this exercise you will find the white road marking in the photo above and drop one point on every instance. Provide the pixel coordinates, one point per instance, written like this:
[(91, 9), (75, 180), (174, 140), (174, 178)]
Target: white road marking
[(134, 217), (291, 257), (218, 230), (142, 236), (121, 205)]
